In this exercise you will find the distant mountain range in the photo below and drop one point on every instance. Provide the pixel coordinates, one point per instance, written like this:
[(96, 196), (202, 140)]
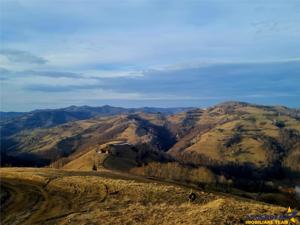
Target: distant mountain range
[(14, 122), (10, 115), (235, 137)]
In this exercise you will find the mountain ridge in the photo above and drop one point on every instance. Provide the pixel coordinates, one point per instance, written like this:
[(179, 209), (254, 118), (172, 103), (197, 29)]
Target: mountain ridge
[(46, 118), (226, 132)]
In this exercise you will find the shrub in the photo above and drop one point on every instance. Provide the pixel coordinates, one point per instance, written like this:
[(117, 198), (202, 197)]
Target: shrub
[(94, 167), (279, 124)]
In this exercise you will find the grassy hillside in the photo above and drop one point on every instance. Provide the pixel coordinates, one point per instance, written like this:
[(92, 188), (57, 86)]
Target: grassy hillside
[(240, 133), (138, 159), (47, 196)]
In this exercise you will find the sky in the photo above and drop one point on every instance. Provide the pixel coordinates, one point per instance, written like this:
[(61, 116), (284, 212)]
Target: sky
[(163, 53)]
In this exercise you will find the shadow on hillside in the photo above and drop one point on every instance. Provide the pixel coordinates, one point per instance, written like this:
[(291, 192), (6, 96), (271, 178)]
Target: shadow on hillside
[(23, 160)]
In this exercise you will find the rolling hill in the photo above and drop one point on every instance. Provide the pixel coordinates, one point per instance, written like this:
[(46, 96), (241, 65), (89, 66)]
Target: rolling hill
[(240, 133), (9, 115), (14, 122), (232, 133)]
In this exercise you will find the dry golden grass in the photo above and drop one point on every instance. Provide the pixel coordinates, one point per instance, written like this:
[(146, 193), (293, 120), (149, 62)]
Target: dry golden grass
[(84, 162), (254, 122), (69, 197), (130, 134)]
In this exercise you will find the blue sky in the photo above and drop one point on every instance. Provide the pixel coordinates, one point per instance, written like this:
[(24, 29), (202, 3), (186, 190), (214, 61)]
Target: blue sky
[(166, 53)]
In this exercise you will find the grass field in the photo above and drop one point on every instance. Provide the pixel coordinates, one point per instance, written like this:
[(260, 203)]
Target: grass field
[(50, 196)]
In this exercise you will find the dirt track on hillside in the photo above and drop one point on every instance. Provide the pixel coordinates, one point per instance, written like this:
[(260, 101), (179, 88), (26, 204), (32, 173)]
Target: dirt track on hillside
[(30, 203)]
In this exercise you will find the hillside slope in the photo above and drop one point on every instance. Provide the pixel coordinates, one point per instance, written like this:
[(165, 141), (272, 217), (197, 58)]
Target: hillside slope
[(240, 133), (46, 196)]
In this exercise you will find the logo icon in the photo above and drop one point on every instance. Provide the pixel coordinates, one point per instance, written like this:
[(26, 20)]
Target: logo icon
[(292, 215), (287, 218)]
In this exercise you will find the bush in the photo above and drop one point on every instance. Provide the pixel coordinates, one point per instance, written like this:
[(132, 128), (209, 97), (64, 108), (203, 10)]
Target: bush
[(94, 167), (279, 124), (234, 139)]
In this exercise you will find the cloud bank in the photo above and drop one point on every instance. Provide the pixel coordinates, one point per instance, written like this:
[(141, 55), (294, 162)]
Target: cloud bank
[(157, 53)]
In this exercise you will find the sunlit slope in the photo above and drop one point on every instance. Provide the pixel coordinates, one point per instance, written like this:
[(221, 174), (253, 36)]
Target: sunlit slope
[(241, 133), (46, 196)]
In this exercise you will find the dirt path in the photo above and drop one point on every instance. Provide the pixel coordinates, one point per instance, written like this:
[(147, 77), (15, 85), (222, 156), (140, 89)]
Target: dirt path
[(31, 203), (24, 200)]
